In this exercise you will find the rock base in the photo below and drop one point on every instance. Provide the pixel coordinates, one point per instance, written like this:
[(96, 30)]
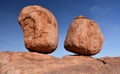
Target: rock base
[(35, 63)]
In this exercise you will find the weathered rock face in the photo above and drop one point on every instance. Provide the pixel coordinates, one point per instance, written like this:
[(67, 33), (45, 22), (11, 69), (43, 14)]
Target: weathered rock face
[(84, 37), (40, 29), (34, 63)]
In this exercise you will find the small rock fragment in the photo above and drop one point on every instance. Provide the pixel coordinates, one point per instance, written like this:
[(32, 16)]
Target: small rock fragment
[(40, 29), (84, 37)]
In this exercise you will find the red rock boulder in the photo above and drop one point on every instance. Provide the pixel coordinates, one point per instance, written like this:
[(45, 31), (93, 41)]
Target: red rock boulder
[(84, 37), (40, 29)]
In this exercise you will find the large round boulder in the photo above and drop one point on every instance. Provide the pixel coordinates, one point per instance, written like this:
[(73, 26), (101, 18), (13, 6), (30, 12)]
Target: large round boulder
[(84, 37), (40, 29)]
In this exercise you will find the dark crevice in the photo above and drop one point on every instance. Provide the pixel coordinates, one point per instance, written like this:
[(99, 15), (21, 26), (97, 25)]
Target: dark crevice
[(102, 61)]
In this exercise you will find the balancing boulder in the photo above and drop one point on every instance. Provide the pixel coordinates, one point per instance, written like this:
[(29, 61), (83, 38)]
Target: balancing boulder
[(84, 37), (40, 29)]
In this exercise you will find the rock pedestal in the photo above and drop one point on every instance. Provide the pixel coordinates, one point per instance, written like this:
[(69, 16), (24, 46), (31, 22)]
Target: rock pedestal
[(84, 37), (35, 63), (40, 29)]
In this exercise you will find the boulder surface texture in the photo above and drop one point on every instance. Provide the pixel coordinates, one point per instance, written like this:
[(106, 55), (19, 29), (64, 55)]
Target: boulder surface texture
[(84, 37), (40, 29)]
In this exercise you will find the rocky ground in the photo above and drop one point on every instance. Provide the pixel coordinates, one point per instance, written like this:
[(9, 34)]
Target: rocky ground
[(35, 63)]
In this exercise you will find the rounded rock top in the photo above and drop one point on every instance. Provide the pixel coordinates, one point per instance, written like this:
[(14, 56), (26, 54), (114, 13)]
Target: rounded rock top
[(80, 17)]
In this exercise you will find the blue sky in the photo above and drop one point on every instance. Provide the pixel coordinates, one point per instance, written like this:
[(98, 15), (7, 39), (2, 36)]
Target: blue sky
[(105, 12)]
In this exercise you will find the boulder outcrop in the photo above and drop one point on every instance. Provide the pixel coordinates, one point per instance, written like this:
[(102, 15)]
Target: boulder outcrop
[(35, 63)]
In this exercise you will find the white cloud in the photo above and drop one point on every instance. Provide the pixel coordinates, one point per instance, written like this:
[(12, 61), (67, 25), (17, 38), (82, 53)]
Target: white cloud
[(98, 11)]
